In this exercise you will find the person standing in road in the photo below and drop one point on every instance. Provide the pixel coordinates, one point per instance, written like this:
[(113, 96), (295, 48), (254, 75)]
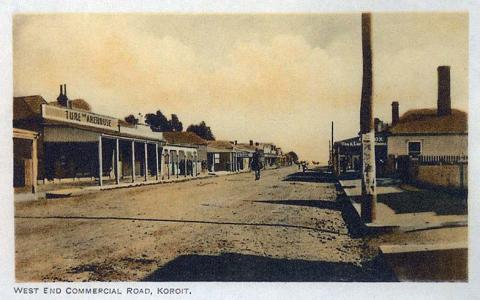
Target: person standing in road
[(256, 164)]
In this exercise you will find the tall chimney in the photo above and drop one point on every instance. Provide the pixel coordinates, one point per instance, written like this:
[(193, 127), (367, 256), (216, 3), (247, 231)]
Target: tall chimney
[(395, 113), (444, 106), (62, 98), (376, 124)]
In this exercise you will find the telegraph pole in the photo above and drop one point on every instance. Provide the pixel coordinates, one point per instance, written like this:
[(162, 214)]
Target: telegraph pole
[(367, 132), (331, 149)]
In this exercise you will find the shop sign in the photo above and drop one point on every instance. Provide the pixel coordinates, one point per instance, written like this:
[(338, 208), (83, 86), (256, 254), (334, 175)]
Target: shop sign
[(243, 155), (380, 140), (71, 116)]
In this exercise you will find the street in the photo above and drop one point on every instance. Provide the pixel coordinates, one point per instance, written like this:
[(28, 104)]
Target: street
[(287, 226)]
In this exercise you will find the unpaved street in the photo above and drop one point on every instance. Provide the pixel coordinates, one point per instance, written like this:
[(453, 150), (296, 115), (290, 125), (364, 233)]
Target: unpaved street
[(228, 228)]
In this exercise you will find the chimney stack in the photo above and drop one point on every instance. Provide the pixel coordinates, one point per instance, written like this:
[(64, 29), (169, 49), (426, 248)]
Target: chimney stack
[(395, 113), (62, 99), (251, 142), (444, 106), (376, 124)]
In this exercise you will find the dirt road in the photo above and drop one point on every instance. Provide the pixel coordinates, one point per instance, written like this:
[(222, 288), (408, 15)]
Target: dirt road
[(228, 228)]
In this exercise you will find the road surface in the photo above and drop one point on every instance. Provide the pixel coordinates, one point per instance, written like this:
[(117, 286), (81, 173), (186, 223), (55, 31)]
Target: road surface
[(287, 226)]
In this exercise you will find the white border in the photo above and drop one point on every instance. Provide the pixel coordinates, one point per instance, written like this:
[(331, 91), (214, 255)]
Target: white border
[(248, 290)]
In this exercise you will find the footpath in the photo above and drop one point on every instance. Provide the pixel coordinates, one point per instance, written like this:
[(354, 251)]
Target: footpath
[(422, 233), (76, 188)]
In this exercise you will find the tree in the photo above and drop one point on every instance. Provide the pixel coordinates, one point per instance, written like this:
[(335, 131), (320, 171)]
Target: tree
[(175, 124), (202, 130), (292, 156), (158, 122), (131, 119)]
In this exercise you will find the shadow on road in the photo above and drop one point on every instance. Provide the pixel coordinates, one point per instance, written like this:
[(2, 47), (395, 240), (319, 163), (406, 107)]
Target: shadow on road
[(438, 201), (322, 204), (311, 176), (239, 267)]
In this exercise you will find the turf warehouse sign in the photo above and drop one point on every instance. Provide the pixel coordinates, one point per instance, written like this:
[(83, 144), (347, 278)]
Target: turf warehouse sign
[(78, 117)]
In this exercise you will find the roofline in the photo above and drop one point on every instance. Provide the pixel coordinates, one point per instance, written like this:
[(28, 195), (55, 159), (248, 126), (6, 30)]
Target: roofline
[(428, 133)]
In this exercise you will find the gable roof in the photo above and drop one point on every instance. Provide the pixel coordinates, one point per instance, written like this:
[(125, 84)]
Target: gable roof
[(223, 145), (246, 147), (427, 121), (183, 138), (27, 107)]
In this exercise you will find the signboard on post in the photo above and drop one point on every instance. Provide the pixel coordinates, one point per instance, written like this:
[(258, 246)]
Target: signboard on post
[(84, 118), (368, 165)]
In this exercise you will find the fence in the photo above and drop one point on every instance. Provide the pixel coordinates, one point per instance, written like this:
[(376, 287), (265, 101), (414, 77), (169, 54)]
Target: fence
[(450, 171), (442, 159)]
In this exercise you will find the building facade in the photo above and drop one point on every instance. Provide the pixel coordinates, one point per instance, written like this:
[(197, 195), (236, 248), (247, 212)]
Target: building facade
[(75, 144)]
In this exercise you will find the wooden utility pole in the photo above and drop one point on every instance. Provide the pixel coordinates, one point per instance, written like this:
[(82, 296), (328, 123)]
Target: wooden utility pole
[(367, 132), (331, 149)]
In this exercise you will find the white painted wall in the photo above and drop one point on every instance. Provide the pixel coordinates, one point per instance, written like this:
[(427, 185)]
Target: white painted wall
[(431, 145)]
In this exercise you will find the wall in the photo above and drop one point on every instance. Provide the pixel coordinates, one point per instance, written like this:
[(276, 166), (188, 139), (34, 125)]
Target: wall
[(452, 176), (431, 145)]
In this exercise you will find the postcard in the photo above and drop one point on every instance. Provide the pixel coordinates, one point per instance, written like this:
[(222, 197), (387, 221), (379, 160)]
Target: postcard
[(222, 154)]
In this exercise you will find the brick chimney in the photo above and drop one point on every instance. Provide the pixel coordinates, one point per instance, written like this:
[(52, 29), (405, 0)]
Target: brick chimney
[(376, 124), (444, 105), (395, 113), (62, 98)]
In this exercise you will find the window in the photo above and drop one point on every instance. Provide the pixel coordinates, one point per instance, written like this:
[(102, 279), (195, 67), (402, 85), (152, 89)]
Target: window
[(414, 148)]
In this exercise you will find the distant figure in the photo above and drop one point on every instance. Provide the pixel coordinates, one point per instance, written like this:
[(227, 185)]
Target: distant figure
[(304, 166), (256, 164), (189, 168)]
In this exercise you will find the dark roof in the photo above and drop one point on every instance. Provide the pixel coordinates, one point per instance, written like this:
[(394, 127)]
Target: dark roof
[(246, 146), (183, 138), (77, 104), (427, 121), (27, 107), (80, 104), (220, 145)]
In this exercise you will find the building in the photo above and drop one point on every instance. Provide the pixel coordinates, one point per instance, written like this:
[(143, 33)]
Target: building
[(431, 134), (347, 154), (269, 154), (25, 162), (75, 144), (245, 153), (190, 139), (222, 156)]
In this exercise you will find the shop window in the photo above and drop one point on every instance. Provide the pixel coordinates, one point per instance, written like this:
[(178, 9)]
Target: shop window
[(414, 148)]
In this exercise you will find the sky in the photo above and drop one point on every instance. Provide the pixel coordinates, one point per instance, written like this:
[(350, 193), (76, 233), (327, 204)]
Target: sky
[(280, 78)]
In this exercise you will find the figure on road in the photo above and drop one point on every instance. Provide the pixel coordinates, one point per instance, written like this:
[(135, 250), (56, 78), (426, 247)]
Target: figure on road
[(304, 166), (256, 164)]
